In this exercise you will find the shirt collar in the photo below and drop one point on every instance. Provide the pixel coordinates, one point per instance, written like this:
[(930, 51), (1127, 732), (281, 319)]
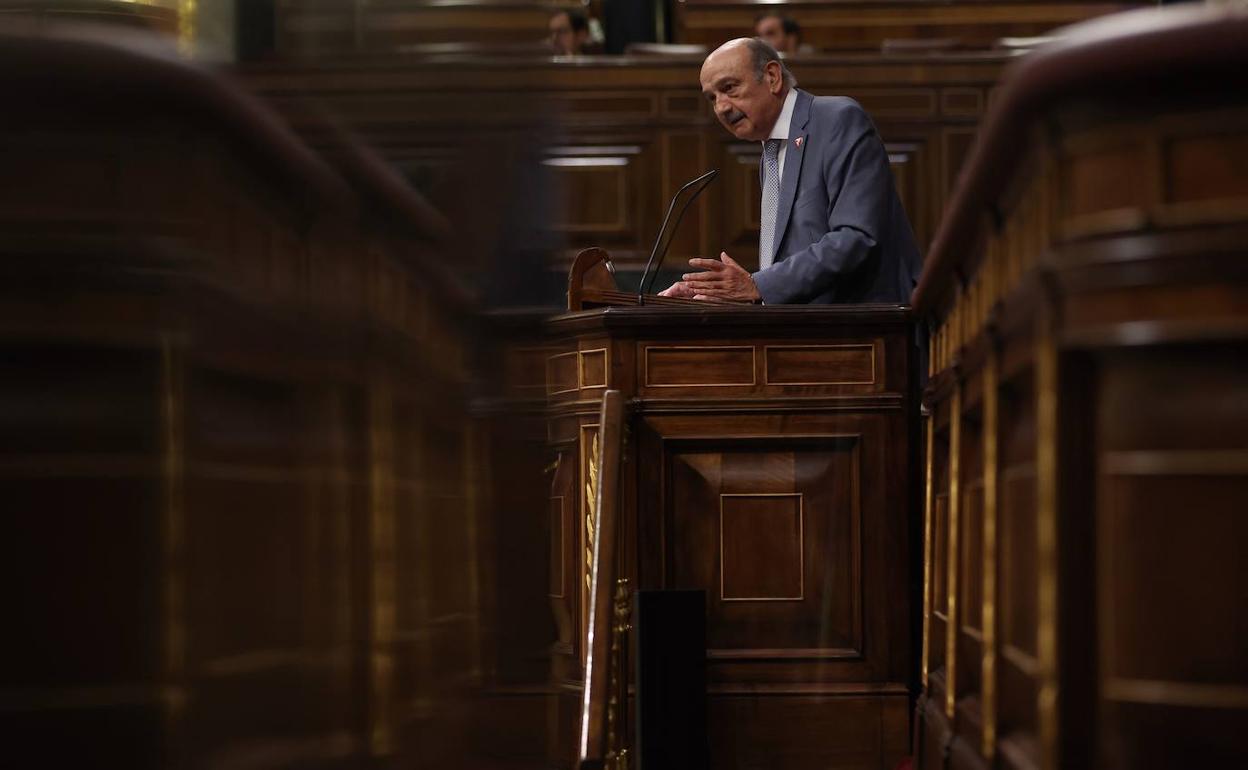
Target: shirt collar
[(781, 129)]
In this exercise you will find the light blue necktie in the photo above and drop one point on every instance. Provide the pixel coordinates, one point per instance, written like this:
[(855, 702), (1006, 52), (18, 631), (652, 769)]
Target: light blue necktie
[(771, 201)]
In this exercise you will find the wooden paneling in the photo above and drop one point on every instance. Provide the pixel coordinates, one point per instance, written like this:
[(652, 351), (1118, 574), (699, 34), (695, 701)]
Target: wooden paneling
[(767, 445), (913, 175), (238, 434), (597, 193), (612, 156), (768, 367), (762, 546), (739, 189), (318, 27), (857, 732), (1206, 168), (1099, 312), (668, 366), (1172, 462), (819, 364), (865, 25), (566, 558), (557, 524), (593, 368), (685, 157), (760, 523)]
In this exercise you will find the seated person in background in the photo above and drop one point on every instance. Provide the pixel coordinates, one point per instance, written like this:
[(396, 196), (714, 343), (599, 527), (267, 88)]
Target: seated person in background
[(832, 227), (781, 33), (569, 33)]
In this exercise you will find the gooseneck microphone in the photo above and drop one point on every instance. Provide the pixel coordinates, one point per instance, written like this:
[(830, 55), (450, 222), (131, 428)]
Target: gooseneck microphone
[(698, 186)]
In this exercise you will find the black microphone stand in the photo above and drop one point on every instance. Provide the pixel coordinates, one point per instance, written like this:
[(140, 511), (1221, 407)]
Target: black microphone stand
[(703, 180)]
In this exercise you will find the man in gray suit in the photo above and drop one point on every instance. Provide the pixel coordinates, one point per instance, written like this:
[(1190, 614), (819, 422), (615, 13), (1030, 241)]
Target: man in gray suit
[(833, 229)]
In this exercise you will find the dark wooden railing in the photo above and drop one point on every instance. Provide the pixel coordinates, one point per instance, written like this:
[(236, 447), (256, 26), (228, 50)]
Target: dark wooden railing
[(237, 467), (1088, 446)]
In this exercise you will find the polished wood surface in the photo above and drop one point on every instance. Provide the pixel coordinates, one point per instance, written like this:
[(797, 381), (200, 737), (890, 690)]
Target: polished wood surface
[(316, 28), (591, 283), (1086, 445), (873, 24), (768, 464), (236, 430), (311, 28), (156, 15)]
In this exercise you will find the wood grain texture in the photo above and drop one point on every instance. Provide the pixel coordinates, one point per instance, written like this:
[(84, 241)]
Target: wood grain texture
[(866, 25), (1107, 284), (238, 429), (776, 500), (612, 155)]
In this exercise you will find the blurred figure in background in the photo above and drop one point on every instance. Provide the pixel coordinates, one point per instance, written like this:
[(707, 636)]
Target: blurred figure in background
[(781, 33), (569, 33)]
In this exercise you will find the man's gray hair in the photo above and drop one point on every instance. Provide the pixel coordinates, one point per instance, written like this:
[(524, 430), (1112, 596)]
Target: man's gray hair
[(763, 54)]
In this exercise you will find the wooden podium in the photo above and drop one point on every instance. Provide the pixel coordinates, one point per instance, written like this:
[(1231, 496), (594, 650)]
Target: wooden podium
[(768, 461)]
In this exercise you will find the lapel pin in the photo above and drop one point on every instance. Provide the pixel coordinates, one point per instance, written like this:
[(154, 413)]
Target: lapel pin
[(798, 142)]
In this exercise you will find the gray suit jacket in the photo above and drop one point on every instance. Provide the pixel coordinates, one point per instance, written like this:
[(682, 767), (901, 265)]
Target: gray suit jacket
[(841, 233)]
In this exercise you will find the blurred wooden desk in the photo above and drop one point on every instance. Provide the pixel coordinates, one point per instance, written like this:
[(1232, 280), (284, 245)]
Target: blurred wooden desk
[(235, 430), (1088, 447)]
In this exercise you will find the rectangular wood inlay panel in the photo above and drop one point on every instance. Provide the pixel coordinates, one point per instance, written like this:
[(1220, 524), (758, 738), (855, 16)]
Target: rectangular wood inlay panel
[(760, 547), (594, 193), (1207, 167), (897, 102), (676, 366), (681, 105), (962, 101), (594, 368), (772, 528), (561, 374), (609, 103), (819, 364)]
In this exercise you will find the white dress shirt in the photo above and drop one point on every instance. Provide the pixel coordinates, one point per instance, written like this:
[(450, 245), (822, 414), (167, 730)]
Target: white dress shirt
[(781, 131)]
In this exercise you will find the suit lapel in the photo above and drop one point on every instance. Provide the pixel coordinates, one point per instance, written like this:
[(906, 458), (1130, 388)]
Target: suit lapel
[(794, 152)]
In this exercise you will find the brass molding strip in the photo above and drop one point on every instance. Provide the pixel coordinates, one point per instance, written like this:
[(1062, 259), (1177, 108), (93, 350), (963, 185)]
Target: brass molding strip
[(384, 572), (1046, 540), (927, 552), (951, 554), (188, 27), (988, 684)]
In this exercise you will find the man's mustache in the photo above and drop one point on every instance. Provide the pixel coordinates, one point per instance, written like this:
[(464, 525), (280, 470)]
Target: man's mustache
[(732, 117)]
